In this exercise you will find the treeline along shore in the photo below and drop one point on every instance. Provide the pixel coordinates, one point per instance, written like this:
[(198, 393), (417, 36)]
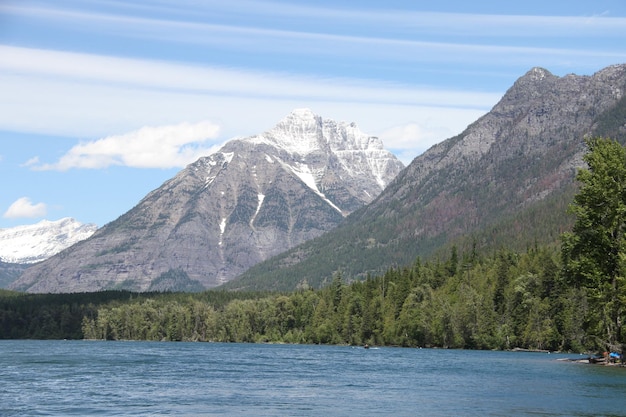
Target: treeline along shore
[(503, 301)]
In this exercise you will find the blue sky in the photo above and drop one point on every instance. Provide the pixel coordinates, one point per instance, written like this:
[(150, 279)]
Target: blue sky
[(104, 100)]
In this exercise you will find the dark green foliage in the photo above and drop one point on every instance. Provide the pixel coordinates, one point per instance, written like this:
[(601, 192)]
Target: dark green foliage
[(380, 246), (504, 301), (50, 316), (64, 316), (594, 253)]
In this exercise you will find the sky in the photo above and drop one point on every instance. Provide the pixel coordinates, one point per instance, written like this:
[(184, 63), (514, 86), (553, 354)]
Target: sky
[(101, 101)]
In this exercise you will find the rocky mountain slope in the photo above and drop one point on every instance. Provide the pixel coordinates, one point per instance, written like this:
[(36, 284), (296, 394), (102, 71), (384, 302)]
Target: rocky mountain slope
[(505, 181), (33, 243), (254, 199)]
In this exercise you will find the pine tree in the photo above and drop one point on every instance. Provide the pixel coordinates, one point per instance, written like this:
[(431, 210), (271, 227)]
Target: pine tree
[(594, 253)]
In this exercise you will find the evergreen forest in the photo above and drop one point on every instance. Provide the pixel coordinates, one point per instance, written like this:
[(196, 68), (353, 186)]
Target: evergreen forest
[(502, 301)]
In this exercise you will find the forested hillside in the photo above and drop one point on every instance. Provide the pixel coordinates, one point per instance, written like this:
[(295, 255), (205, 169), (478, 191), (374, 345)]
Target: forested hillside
[(501, 301), (498, 302)]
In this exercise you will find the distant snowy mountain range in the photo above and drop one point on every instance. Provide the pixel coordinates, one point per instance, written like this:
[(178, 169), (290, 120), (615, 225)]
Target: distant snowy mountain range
[(34, 243)]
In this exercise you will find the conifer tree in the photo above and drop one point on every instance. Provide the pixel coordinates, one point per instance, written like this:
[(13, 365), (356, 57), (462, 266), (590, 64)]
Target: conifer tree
[(594, 253)]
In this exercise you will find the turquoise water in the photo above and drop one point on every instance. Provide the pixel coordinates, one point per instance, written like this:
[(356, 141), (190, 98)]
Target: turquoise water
[(86, 378)]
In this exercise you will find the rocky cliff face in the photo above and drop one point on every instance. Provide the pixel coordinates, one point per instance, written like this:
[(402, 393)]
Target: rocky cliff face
[(506, 180), (525, 149), (253, 199)]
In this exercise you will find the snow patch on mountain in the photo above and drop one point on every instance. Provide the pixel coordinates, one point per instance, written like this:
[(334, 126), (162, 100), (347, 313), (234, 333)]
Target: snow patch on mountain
[(34, 243), (211, 161), (222, 230), (260, 197), (303, 172)]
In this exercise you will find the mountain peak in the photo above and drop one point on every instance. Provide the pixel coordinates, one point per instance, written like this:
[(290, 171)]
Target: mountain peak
[(534, 79), (299, 132), (302, 113), (36, 242), (303, 132), (254, 198), (538, 74), (300, 117), (319, 143)]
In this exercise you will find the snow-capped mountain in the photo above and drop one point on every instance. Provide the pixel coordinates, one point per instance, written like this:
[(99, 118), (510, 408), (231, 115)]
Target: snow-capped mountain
[(324, 149), (254, 198), (33, 243), (358, 153)]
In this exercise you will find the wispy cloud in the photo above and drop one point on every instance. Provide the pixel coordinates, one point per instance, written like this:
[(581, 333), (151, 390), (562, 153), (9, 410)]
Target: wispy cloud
[(375, 19), (244, 64), (148, 147), (398, 35), (25, 208), (84, 95), (166, 76)]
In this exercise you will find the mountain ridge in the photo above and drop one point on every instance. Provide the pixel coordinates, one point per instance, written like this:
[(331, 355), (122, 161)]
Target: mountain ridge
[(29, 244), (252, 199), (517, 162)]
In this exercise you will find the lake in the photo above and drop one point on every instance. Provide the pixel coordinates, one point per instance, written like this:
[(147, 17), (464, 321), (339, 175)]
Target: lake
[(97, 378)]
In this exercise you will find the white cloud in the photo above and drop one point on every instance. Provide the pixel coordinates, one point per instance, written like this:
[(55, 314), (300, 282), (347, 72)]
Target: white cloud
[(50, 67), (407, 141), (404, 136), (149, 147), (24, 208), (60, 74), (34, 161), (183, 26), (90, 96)]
